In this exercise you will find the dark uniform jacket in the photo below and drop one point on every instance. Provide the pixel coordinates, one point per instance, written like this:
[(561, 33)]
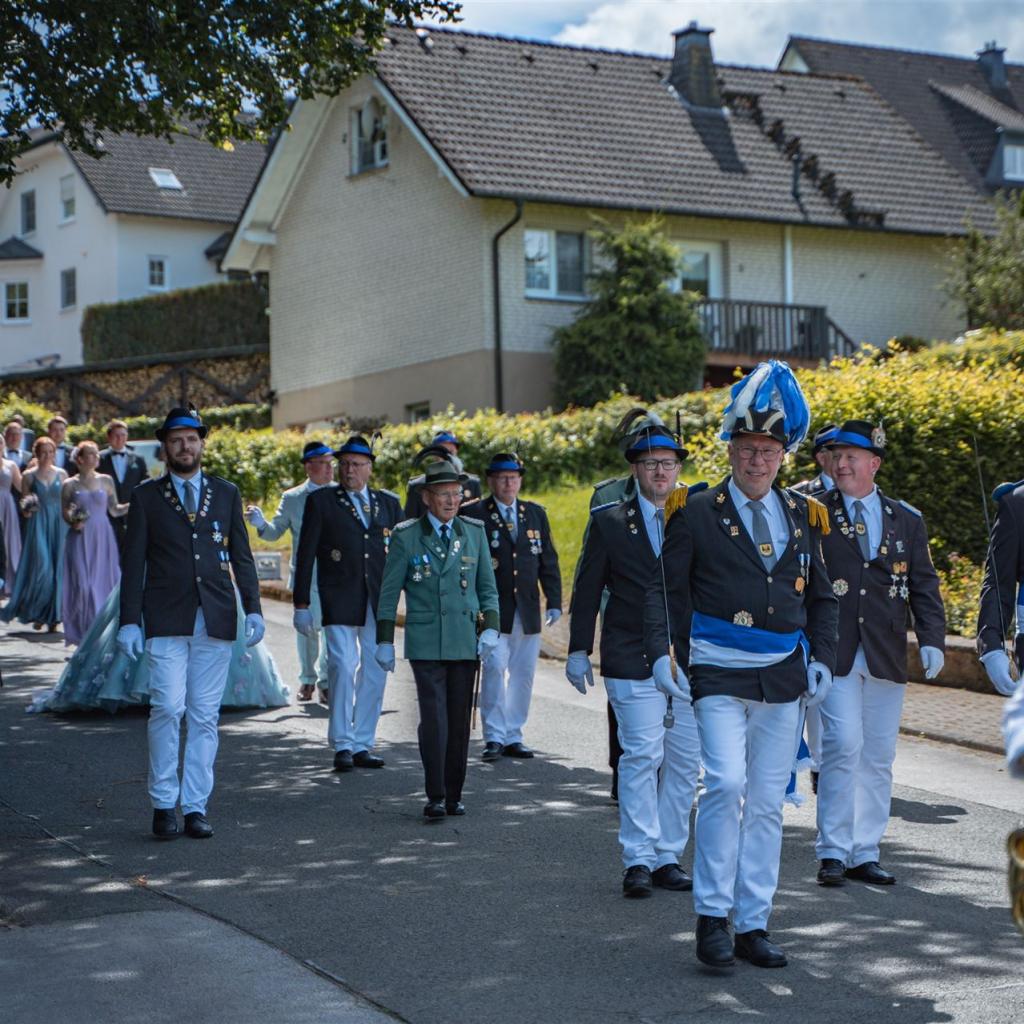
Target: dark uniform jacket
[(815, 487), (1004, 569), (349, 557), (414, 507), (617, 554), (874, 596), (521, 564), (172, 566), (711, 566)]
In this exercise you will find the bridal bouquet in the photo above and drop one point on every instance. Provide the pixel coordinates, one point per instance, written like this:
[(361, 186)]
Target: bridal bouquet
[(77, 514), (29, 505)]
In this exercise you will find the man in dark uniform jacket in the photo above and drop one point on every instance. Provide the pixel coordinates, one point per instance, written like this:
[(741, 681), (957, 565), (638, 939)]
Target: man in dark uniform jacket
[(749, 605), (444, 444), (524, 558), (1004, 575), (620, 553), (877, 557), (821, 484), (126, 469), (185, 536), (345, 534)]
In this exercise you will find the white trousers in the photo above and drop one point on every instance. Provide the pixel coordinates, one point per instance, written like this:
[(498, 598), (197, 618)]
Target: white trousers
[(654, 814), (355, 683), (313, 649), (506, 685), (187, 676), (812, 725), (747, 748), (860, 725)]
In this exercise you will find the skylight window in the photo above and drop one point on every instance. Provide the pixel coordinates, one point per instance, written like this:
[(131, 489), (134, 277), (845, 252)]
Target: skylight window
[(164, 178)]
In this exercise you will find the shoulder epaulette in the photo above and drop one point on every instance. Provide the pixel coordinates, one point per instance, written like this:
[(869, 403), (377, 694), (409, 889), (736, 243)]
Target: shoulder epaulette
[(697, 488), (470, 521), (817, 514), (606, 505), (604, 483), (404, 525), (1004, 489), (390, 494), (910, 508)]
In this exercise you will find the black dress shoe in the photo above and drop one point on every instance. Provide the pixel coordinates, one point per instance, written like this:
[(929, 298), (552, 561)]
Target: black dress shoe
[(456, 809), (756, 947), (871, 872), (197, 826), (434, 811), (364, 759), (165, 823), (343, 761), (814, 781), (714, 946), (492, 751), (830, 872), (636, 882), (672, 876), (517, 750)]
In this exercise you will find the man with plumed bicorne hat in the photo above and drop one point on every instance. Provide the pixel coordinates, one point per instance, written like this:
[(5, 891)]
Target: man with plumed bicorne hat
[(660, 760), (344, 537), (525, 562), (751, 619), (186, 540), (318, 462), (444, 445)]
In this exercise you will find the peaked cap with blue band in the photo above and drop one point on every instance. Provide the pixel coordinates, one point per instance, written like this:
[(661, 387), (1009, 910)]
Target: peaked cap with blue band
[(768, 401), (356, 445), (824, 436), (860, 434), (444, 437), (181, 419), (652, 438), (505, 462), (314, 449)]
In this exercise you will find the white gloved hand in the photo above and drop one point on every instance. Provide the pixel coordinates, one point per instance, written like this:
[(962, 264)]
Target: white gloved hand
[(997, 665), (302, 620), (932, 660), (553, 615), (678, 687), (385, 657), (254, 629), (255, 516), (579, 671), (819, 682), (486, 643), (129, 640)]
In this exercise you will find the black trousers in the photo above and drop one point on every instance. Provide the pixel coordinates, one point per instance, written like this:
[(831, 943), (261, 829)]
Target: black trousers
[(614, 747), (120, 527), (444, 690)]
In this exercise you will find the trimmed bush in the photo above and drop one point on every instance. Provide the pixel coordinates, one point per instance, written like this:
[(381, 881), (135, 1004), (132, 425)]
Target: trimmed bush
[(237, 417)]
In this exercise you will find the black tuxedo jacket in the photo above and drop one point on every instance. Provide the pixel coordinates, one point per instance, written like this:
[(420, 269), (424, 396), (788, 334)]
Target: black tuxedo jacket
[(172, 567), (348, 556), (134, 473), (520, 565)]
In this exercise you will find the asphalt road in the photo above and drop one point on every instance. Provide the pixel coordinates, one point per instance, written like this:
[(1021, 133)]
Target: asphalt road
[(326, 897)]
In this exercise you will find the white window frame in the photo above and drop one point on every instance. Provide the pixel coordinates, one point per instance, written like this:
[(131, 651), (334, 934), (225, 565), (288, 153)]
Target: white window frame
[(417, 412), (1013, 161), (165, 267), (35, 212), (554, 291), (27, 318), (67, 195), (375, 114), (164, 178), (74, 288), (715, 251)]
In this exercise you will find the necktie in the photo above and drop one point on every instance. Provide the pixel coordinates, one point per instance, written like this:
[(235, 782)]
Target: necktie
[(763, 535), (860, 528), (190, 499), (444, 535), (510, 523), (659, 515), (359, 505)]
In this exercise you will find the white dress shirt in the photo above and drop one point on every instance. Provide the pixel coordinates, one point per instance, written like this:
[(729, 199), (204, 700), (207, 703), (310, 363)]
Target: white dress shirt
[(778, 525)]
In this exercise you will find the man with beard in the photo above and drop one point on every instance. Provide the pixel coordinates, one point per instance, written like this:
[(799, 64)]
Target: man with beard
[(185, 535)]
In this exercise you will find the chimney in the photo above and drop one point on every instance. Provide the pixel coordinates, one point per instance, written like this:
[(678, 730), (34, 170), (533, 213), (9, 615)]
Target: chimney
[(693, 68), (990, 61)]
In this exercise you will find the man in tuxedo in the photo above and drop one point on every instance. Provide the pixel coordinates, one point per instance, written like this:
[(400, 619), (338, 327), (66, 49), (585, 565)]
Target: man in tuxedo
[(127, 470), (57, 430), (185, 536), (13, 438)]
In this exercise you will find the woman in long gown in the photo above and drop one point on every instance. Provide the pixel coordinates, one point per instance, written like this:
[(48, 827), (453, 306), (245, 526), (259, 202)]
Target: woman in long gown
[(36, 594), (91, 567), (10, 486)]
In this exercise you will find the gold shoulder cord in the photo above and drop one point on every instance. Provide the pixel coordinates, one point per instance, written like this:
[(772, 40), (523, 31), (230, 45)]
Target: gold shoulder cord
[(817, 515)]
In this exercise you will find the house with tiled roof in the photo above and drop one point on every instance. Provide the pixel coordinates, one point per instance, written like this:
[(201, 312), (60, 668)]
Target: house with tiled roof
[(425, 231), (147, 216)]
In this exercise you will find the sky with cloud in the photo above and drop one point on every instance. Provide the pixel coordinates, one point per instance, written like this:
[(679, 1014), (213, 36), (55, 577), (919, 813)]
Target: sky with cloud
[(755, 31)]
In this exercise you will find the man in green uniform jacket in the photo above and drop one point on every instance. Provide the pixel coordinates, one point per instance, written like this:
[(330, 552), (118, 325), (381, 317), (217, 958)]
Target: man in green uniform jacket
[(443, 564)]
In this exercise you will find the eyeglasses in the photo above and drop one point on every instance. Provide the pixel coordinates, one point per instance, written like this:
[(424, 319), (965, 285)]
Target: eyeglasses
[(353, 463), (666, 464), (749, 453)]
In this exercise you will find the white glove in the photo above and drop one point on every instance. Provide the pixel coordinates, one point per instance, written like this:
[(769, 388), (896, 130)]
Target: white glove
[(302, 620), (932, 660), (819, 682), (579, 671), (553, 615), (486, 643), (997, 665), (255, 516), (663, 679), (385, 657), (254, 629), (129, 640)]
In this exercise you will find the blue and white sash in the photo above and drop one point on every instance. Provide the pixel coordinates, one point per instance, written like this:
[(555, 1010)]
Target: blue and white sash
[(728, 645)]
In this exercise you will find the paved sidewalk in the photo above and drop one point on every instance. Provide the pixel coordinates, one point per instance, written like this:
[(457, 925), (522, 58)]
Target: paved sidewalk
[(954, 716)]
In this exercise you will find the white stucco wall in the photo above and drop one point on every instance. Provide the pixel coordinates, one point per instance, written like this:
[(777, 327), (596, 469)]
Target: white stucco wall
[(180, 242)]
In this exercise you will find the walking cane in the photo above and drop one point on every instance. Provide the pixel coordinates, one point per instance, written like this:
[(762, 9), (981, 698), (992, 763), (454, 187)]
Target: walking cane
[(476, 694)]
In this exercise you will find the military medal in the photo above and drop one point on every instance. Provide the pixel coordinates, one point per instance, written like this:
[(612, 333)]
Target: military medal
[(426, 567), (899, 547), (860, 528), (734, 531), (494, 563), (840, 587), (799, 584), (335, 555), (494, 538), (765, 549), (742, 618)]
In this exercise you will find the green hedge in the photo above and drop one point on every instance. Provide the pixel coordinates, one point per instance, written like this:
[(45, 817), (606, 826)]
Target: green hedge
[(251, 416), (209, 317)]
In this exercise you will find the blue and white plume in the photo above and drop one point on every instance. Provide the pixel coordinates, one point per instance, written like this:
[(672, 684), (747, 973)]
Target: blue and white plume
[(770, 385)]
